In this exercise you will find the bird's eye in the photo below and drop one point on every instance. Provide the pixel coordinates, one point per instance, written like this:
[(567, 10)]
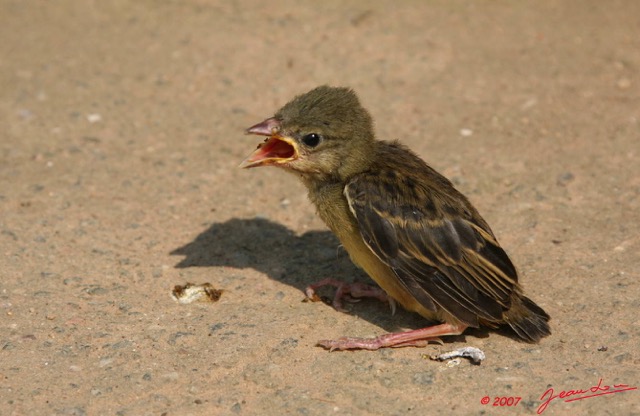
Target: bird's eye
[(311, 139)]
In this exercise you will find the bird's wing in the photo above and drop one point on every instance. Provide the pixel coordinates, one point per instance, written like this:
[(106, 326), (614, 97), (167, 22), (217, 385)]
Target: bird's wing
[(443, 254)]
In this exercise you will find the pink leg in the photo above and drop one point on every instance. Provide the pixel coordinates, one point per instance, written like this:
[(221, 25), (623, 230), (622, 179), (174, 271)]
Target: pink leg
[(348, 291), (416, 338)]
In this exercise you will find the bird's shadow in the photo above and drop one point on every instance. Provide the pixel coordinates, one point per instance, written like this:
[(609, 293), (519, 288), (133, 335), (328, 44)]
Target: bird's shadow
[(265, 246), (297, 260)]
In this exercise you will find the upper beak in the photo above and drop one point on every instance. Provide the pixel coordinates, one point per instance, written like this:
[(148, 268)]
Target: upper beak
[(275, 150)]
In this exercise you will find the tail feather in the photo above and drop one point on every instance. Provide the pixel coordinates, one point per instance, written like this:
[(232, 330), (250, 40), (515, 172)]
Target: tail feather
[(528, 320)]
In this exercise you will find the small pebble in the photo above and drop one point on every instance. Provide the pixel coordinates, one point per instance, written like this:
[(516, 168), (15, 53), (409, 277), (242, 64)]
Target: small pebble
[(94, 118), (565, 178), (454, 362), (172, 376), (105, 362), (624, 83)]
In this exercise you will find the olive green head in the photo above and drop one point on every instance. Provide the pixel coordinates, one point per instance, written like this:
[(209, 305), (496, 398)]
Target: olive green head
[(324, 133)]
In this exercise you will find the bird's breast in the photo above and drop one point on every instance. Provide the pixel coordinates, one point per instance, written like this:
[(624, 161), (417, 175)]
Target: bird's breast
[(333, 208)]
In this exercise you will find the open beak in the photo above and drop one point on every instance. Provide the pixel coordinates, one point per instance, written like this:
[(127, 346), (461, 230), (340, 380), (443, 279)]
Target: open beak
[(275, 150)]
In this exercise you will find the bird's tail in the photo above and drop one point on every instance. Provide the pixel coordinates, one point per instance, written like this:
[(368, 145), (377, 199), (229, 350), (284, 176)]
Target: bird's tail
[(529, 321)]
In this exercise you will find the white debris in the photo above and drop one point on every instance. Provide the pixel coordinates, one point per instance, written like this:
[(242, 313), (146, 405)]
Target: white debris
[(475, 354), (94, 118), (191, 293)]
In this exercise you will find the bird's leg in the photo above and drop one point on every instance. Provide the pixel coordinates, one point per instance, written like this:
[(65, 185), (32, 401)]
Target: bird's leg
[(415, 338), (348, 291)]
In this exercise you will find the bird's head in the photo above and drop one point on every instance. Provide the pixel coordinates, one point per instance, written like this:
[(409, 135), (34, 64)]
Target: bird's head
[(324, 134)]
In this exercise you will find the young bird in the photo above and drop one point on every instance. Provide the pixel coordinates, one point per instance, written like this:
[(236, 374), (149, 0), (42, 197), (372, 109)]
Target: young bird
[(402, 222)]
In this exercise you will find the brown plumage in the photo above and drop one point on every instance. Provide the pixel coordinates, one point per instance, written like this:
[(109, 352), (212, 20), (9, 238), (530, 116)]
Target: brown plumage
[(405, 224)]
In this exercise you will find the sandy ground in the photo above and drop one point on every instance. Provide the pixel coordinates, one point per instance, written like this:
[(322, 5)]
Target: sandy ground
[(121, 128)]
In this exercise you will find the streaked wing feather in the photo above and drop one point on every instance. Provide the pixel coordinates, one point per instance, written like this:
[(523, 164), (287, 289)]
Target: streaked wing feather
[(442, 257)]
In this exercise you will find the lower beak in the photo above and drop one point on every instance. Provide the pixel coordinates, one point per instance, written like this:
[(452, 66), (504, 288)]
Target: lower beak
[(275, 150)]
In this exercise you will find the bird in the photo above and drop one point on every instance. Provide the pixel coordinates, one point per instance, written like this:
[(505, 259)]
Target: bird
[(406, 225)]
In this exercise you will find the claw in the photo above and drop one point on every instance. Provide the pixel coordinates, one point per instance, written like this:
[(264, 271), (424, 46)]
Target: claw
[(351, 292), (392, 305)]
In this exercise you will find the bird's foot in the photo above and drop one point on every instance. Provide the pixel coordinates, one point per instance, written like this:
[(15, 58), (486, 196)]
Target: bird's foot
[(416, 338), (351, 292)]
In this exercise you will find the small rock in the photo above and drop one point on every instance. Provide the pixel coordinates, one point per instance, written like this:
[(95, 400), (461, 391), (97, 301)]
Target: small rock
[(174, 337), (623, 357), (424, 378), (105, 362), (172, 376), (94, 118), (565, 178), (623, 83)]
